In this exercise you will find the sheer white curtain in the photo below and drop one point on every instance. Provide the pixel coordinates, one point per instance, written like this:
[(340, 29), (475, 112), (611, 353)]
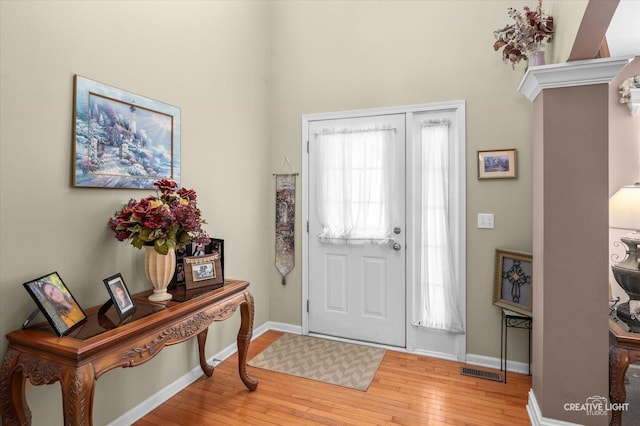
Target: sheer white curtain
[(439, 302), (355, 168)]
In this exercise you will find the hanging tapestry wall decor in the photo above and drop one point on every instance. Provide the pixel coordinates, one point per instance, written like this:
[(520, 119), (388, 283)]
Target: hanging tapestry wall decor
[(285, 220)]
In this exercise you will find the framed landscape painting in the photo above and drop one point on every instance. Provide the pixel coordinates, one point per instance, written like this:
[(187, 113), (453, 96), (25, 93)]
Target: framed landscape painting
[(122, 140), (498, 164)]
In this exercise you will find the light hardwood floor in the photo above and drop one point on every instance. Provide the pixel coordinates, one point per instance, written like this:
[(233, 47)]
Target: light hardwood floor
[(407, 389)]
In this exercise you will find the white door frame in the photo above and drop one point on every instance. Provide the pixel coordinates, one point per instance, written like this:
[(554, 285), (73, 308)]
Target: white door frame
[(458, 107)]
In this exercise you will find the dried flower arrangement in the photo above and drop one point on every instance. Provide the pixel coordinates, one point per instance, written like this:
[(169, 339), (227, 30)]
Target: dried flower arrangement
[(527, 34), (167, 221)]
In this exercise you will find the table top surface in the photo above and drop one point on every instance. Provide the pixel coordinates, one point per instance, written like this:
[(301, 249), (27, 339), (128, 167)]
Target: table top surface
[(102, 330), (622, 334)]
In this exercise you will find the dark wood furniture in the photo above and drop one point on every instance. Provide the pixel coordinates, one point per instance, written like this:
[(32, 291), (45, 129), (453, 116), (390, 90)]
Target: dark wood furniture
[(624, 349), (103, 342)]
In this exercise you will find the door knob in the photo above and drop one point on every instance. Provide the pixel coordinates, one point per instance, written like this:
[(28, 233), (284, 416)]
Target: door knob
[(396, 246)]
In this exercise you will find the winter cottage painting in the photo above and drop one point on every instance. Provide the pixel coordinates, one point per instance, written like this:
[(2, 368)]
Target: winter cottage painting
[(122, 140)]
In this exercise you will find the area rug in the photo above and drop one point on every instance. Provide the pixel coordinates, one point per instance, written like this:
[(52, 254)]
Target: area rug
[(344, 364)]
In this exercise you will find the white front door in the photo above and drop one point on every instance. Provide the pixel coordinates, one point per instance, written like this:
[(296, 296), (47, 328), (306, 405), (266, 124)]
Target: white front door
[(356, 273)]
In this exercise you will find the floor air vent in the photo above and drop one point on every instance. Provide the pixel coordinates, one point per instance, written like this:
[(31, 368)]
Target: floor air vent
[(466, 371)]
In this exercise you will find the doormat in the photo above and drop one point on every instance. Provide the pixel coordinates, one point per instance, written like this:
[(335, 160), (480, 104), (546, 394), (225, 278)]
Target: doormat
[(344, 364), (466, 371)]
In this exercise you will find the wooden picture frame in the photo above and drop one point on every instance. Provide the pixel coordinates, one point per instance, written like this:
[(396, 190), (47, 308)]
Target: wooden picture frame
[(120, 295), (513, 281), (497, 164), (122, 140), (56, 303), (203, 271), (215, 246)]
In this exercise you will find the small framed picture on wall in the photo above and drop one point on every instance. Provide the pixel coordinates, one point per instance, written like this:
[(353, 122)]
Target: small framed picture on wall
[(497, 164)]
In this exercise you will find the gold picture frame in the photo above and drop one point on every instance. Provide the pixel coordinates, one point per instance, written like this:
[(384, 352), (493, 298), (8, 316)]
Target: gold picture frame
[(513, 281), (112, 143), (498, 164)]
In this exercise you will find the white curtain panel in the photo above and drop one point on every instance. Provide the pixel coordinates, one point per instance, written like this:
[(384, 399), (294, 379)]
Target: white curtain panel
[(439, 296), (355, 172)]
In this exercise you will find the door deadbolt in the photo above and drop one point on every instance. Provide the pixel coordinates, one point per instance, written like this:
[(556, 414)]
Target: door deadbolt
[(397, 230)]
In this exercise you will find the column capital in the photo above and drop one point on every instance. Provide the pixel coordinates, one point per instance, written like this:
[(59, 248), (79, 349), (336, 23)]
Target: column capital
[(570, 74)]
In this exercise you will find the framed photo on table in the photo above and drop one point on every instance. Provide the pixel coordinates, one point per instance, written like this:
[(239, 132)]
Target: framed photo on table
[(513, 281), (497, 164), (56, 303), (120, 295), (202, 271), (215, 247)]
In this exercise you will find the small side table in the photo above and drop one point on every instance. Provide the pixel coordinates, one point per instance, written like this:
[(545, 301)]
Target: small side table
[(512, 319)]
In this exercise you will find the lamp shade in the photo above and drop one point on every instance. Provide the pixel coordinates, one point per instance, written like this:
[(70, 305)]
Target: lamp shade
[(624, 208)]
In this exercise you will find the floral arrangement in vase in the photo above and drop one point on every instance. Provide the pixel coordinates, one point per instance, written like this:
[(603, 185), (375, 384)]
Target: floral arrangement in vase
[(167, 221), (527, 34)]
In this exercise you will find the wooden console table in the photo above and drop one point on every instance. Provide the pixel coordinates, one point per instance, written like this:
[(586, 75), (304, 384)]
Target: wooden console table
[(101, 344), (624, 349)]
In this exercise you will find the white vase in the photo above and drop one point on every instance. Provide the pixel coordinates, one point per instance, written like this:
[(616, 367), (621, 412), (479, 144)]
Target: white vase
[(536, 58), (159, 269)]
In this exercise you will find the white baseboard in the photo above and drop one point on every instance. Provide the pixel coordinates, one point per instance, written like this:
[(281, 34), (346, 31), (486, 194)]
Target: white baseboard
[(281, 326), (535, 415), (490, 362), (433, 354), (164, 394)]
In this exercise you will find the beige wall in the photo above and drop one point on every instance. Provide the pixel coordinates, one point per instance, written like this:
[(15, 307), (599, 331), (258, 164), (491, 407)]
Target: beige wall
[(208, 58), (567, 16), (624, 134), (335, 55), (243, 74), (624, 158)]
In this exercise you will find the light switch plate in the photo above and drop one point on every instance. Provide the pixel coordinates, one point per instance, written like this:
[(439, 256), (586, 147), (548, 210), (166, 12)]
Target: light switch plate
[(485, 220)]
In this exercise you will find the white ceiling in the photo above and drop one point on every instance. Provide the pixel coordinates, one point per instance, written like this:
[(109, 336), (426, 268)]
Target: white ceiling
[(623, 35)]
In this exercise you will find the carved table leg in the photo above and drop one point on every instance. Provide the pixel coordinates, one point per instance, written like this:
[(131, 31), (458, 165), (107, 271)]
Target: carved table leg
[(244, 338), (202, 340), (78, 386), (618, 365), (14, 408)]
